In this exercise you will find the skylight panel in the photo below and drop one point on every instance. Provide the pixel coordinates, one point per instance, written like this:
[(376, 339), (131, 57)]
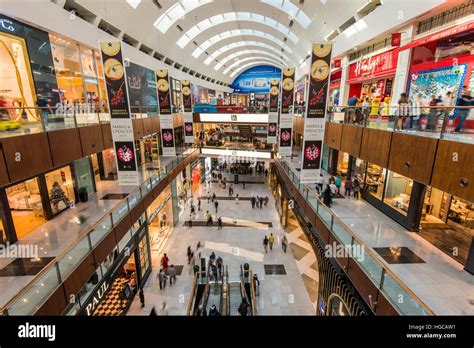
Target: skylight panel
[(288, 7), (134, 3)]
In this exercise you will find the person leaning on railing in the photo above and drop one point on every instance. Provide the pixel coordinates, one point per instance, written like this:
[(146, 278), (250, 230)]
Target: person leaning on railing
[(403, 111)]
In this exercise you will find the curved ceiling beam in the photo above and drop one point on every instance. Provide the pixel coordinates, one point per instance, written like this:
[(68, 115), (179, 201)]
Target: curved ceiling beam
[(239, 32), (245, 45), (237, 63), (258, 62), (176, 12), (222, 18), (293, 11), (255, 53)]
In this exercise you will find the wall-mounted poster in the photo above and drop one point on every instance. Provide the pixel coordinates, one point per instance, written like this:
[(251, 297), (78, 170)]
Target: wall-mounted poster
[(286, 118), (119, 107), (255, 80), (164, 93), (316, 112), (273, 111), (141, 89), (188, 112)]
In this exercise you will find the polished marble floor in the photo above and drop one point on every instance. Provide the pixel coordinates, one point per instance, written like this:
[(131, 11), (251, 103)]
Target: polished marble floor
[(440, 281), (279, 294)]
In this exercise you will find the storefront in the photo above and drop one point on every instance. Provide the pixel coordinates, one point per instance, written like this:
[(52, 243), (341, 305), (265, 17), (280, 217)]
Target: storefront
[(196, 175), (113, 286), (160, 219), (334, 87), (372, 77), (104, 165), (440, 63), (148, 149)]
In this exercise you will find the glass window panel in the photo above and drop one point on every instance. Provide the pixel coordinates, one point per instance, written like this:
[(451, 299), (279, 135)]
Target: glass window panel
[(398, 192), (60, 189), (72, 259), (374, 181)]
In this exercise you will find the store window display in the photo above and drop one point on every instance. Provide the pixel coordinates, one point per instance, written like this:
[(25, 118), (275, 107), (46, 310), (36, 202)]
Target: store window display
[(26, 207), (16, 85), (343, 164), (60, 187), (398, 192), (374, 181)]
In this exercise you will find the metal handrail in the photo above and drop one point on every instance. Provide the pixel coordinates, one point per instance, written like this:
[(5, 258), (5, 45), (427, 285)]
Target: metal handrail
[(58, 258), (192, 293), (334, 217), (254, 294)]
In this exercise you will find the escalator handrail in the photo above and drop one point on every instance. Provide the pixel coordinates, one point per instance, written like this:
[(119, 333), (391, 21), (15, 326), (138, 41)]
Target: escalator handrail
[(253, 294), (243, 292), (192, 293)]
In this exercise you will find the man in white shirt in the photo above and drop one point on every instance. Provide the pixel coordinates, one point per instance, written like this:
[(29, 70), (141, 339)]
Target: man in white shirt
[(333, 188), (319, 183)]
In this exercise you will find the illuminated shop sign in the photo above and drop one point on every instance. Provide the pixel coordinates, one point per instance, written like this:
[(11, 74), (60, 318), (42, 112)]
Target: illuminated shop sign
[(231, 118), (7, 24), (383, 64)]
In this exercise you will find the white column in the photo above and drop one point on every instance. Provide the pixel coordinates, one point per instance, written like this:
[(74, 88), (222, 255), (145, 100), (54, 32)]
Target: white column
[(344, 88), (403, 65)]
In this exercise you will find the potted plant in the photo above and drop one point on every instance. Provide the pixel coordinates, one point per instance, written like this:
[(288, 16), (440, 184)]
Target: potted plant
[(83, 196)]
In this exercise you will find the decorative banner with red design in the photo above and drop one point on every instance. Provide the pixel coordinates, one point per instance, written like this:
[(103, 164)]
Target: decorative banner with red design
[(285, 136), (273, 111), (164, 91), (188, 112), (287, 90), (120, 115), (316, 112), (167, 135)]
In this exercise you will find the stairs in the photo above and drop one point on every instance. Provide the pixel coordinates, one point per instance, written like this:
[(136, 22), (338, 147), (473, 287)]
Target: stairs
[(245, 131)]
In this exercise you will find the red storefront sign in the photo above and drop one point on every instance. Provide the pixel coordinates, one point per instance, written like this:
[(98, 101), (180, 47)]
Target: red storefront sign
[(396, 39), (337, 63), (380, 65)]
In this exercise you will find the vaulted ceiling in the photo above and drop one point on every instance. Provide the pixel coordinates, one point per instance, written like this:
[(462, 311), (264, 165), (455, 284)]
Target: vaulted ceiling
[(220, 38)]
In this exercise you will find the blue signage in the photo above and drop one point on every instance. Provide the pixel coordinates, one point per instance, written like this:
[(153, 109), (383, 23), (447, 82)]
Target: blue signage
[(256, 79)]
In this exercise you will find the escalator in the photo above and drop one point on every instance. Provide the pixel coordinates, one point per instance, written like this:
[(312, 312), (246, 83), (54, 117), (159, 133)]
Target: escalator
[(245, 131)]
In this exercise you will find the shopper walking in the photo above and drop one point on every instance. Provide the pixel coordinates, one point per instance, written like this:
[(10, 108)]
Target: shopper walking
[(338, 183), (253, 202), (257, 202), (243, 184), (165, 262), (271, 240), (347, 187), (189, 252), (216, 205), (208, 197), (284, 244), (162, 279), (219, 223), (141, 295), (172, 274), (213, 196), (327, 196), (261, 202), (199, 204), (219, 263), (265, 200), (243, 308), (265, 244), (319, 183)]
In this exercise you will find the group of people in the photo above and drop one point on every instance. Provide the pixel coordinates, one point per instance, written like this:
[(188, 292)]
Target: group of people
[(259, 202), (167, 270), (270, 240), (410, 112), (333, 188)]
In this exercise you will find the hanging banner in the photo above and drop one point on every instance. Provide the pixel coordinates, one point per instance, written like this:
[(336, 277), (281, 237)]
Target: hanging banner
[(188, 112), (120, 115), (316, 112), (166, 118), (286, 117), (273, 111)]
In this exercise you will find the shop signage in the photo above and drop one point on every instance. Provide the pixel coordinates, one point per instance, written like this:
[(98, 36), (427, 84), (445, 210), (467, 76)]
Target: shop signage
[(380, 65), (396, 39), (337, 63), (98, 296), (273, 111), (167, 135), (7, 25), (120, 115), (188, 112), (316, 112), (163, 87), (288, 89)]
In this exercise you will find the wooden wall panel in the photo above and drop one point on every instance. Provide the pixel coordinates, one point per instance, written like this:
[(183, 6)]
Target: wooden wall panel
[(351, 139), (334, 134), (79, 276), (384, 307), (412, 156), (122, 228), (4, 178), (147, 126), (454, 162), (104, 247), (65, 146), (138, 128), (155, 121), (107, 136), (91, 139), (375, 147), (55, 304), (35, 155)]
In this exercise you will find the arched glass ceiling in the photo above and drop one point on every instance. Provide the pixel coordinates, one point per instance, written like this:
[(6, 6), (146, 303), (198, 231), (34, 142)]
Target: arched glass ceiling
[(176, 12), (231, 46), (189, 35), (293, 11), (239, 32), (245, 66), (256, 53), (237, 63)]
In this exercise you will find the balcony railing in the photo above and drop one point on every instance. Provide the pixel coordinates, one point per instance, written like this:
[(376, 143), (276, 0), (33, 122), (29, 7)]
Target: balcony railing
[(37, 291), (384, 279), (441, 122)]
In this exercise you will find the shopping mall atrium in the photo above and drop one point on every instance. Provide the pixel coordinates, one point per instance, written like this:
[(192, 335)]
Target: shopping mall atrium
[(236, 158)]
